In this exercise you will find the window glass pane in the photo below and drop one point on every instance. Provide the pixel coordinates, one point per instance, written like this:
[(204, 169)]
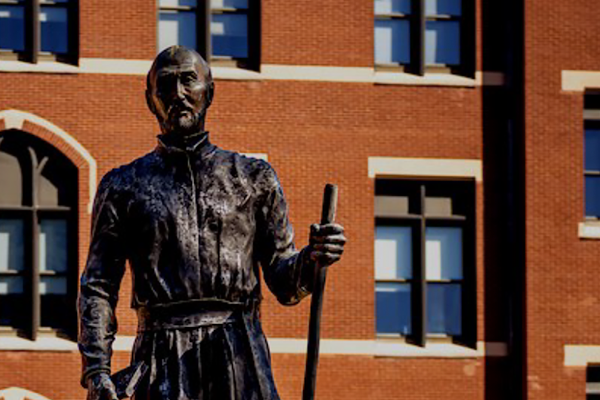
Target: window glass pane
[(592, 196), (12, 28), (392, 42), (444, 309), (392, 6), (12, 310), (11, 245), (393, 252), (57, 312), (53, 285), (177, 3), (238, 4), (592, 149), (443, 253), (11, 180), (11, 285), (53, 245), (229, 34), (442, 42), (392, 304), (176, 28), (54, 29), (443, 7)]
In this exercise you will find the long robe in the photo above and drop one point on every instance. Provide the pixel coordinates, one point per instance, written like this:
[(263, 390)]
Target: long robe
[(196, 223)]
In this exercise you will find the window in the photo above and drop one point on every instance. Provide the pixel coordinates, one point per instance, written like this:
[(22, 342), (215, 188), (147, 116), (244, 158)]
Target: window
[(33, 29), (592, 389), (38, 269), (233, 37), (592, 156), (425, 260), (420, 35)]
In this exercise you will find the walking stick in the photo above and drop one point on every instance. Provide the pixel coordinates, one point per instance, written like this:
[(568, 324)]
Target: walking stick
[(316, 303)]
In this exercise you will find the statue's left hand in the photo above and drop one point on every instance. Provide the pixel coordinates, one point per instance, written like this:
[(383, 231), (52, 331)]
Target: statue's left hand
[(326, 243)]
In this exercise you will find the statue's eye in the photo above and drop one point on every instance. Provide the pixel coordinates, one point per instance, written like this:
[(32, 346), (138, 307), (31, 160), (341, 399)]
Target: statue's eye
[(187, 78)]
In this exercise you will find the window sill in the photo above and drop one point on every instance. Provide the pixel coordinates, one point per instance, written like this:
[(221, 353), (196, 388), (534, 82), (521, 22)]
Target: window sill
[(429, 79), (41, 66), (44, 342), (589, 230), (389, 348), (399, 348)]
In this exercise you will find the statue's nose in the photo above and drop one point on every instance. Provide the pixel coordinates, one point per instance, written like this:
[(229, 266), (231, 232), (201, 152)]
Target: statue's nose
[(180, 90)]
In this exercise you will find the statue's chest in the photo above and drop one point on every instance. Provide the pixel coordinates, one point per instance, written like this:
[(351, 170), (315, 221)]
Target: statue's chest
[(200, 207)]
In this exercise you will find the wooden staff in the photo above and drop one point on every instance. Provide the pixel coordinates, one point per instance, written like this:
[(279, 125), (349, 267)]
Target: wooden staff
[(316, 304)]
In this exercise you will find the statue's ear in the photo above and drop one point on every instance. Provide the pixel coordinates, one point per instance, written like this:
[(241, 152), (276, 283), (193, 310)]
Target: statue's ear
[(210, 93), (150, 102)]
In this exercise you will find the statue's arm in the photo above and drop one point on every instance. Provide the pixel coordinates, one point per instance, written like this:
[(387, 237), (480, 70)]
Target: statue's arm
[(288, 272), (100, 284)]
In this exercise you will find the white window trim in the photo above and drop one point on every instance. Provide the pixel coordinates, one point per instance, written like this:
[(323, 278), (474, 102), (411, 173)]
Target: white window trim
[(581, 355), (425, 167), (15, 119), (268, 72), (589, 230), (445, 168), (579, 81)]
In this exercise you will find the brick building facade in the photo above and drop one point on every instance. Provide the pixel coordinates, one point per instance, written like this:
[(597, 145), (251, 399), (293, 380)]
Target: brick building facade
[(492, 128)]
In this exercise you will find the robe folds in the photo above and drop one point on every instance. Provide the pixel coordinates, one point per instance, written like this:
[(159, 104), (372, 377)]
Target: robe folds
[(196, 224)]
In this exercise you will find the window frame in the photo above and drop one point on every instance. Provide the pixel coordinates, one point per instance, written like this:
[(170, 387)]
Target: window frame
[(417, 219), (32, 51), (592, 382), (31, 212), (203, 13), (591, 120), (417, 20)]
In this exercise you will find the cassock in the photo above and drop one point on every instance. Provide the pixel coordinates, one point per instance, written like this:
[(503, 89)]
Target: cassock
[(196, 224)]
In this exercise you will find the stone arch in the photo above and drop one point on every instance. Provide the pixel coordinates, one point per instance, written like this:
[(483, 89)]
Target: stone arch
[(46, 130), (15, 393)]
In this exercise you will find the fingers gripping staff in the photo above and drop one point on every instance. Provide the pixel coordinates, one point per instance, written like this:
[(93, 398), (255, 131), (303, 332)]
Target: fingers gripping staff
[(316, 303)]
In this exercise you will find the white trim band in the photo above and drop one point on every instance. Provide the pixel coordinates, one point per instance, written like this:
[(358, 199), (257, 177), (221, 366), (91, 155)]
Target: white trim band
[(43, 343), (385, 348), (268, 72), (425, 167), (377, 348), (259, 156), (16, 393), (581, 355)]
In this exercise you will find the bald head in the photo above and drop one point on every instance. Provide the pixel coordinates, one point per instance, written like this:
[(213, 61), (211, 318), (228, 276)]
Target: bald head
[(176, 56), (179, 90)]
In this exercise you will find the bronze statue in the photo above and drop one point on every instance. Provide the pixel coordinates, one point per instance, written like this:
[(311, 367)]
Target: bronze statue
[(195, 223)]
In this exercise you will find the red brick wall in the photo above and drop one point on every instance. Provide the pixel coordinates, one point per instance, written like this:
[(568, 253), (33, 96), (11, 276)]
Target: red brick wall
[(562, 289), (313, 133)]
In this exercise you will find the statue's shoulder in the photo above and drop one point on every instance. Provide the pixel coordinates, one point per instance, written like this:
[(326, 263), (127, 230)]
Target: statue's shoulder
[(126, 175), (252, 166)]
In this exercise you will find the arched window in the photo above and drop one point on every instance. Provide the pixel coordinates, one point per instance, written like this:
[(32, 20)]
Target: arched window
[(38, 237)]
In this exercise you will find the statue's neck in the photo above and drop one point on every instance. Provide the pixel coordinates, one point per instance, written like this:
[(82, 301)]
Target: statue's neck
[(187, 143)]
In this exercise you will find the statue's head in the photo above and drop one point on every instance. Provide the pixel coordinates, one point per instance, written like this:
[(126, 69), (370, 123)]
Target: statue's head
[(179, 90)]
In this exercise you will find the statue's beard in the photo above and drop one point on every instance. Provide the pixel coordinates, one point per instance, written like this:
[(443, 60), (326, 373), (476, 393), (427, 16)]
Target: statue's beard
[(182, 121)]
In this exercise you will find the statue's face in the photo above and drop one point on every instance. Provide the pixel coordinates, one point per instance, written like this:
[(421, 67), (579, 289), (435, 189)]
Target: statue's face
[(179, 92)]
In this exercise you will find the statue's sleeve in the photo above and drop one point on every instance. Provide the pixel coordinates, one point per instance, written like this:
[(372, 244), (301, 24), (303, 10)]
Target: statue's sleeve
[(100, 283), (288, 273)]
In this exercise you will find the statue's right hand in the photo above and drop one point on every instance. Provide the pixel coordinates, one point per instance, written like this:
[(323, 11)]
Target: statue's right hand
[(100, 387)]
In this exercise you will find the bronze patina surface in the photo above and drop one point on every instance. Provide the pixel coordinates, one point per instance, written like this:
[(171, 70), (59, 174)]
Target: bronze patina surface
[(196, 224)]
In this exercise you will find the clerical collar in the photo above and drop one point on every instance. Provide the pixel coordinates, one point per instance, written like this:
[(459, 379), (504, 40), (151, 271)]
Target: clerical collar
[(191, 143)]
